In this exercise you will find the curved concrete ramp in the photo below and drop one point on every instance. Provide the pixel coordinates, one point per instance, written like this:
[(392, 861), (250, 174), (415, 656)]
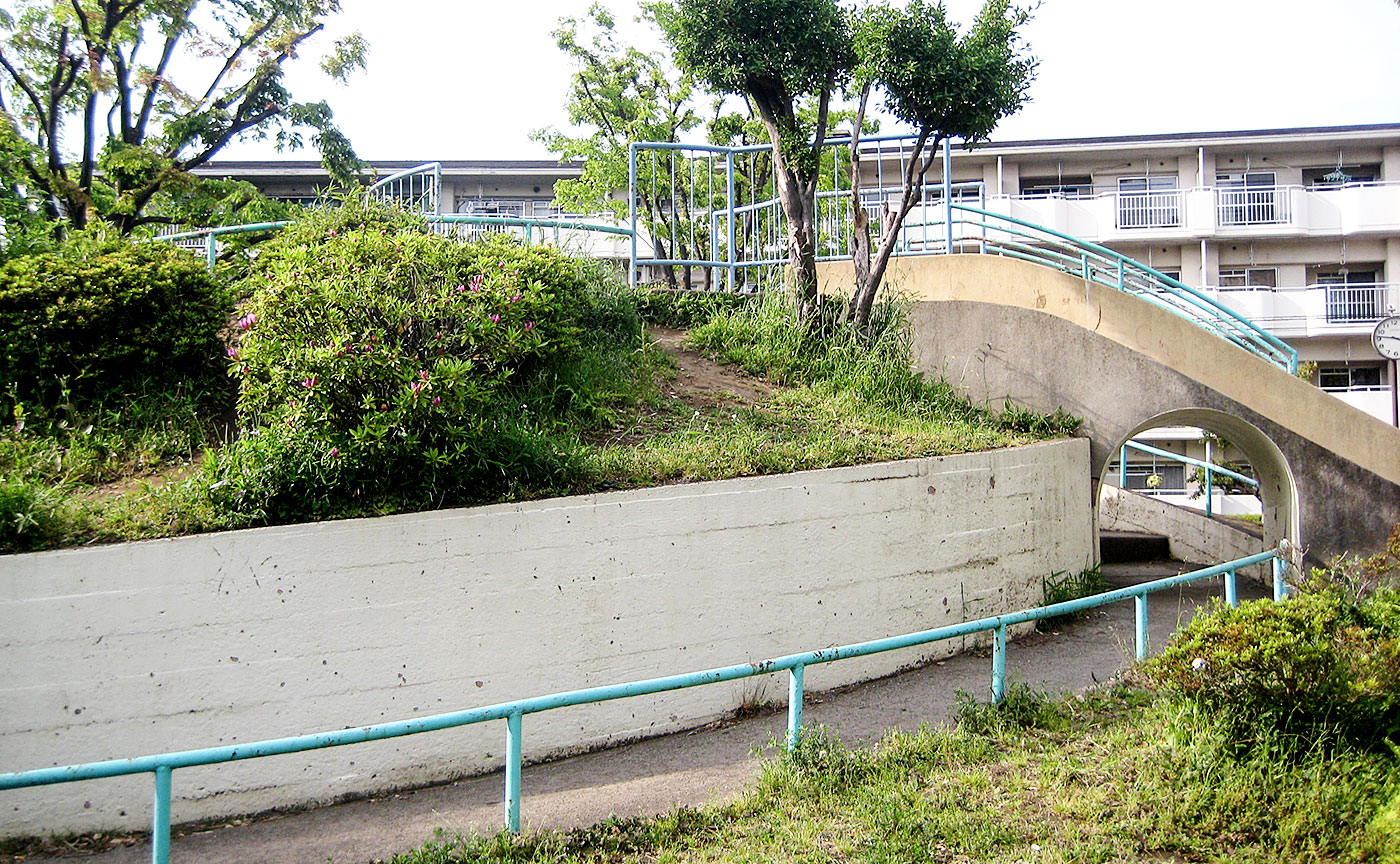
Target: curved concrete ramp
[(1001, 329)]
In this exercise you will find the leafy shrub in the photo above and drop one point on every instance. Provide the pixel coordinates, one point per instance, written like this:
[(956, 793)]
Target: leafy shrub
[(1320, 665), (377, 363), (105, 315)]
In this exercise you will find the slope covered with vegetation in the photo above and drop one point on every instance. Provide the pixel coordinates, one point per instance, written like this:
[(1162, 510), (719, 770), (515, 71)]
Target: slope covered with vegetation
[(360, 364)]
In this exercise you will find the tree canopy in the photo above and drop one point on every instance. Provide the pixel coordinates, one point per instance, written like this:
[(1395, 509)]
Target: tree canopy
[(777, 54), (942, 83), (97, 125)]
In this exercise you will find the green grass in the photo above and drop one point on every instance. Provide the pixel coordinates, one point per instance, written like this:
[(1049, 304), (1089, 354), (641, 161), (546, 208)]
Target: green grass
[(158, 464), (1119, 775)]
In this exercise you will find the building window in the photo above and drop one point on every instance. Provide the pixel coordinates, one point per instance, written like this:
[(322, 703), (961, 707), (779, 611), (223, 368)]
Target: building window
[(1249, 198), (1249, 278), (1148, 202), (1349, 377), (1335, 176), (1057, 187), (1353, 295)]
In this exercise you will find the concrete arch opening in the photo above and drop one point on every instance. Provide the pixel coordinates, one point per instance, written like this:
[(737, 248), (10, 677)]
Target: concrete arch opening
[(1001, 330), (1278, 488)]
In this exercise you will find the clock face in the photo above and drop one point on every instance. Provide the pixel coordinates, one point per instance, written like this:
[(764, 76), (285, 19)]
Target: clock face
[(1387, 337)]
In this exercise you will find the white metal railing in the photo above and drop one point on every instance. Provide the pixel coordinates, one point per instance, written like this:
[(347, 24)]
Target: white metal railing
[(418, 188), (1257, 205), (1359, 303), (1153, 209)]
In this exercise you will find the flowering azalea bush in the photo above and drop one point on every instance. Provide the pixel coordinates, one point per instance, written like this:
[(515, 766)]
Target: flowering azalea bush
[(376, 364)]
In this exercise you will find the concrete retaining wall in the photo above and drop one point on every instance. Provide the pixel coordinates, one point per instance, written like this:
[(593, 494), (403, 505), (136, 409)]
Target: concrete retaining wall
[(191, 642), (1192, 535)]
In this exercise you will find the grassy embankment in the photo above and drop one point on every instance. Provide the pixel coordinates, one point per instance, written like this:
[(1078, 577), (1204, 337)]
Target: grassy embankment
[(579, 409)]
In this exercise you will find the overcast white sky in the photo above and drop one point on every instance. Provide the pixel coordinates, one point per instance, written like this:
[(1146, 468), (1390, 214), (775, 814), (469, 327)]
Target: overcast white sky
[(470, 79)]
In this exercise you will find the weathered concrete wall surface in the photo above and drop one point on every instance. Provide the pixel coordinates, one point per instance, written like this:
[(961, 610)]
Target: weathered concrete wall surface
[(1193, 536), (173, 644), (998, 329)]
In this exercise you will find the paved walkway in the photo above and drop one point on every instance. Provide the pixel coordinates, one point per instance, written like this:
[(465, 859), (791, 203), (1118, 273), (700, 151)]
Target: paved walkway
[(693, 767)]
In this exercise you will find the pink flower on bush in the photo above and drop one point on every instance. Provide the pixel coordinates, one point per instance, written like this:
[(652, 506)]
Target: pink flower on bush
[(235, 354), (476, 283), (461, 288), (516, 298), (529, 325), (247, 321), (437, 400), (334, 452), (495, 319), (309, 382)]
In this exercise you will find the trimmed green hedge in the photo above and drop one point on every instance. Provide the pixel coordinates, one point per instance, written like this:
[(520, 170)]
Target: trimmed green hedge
[(104, 318)]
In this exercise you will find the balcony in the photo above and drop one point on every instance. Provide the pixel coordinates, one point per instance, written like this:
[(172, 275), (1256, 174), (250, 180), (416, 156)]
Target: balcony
[(1253, 206), (1314, 310), (1109, 214), (1376, 401)]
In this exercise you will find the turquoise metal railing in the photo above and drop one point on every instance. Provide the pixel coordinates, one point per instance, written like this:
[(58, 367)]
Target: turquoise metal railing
[(443, 224), (747, 228), (418, 188), (1015, 238), (163, 765), (212, 235), (1210, 468)]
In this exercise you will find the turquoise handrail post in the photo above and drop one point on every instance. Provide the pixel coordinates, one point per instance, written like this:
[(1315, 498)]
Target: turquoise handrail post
[(632, 211), (1232, 594), (1123, 467), (795, 687), (211, 252), (1210, 491), (947, 193), (1120, 274), (160, 818), (513, 760), (999, 663), (1140, 618), (1280, 589), (729, 182)]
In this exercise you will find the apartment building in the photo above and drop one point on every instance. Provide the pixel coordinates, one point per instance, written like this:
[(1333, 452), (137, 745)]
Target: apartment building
[(523, 188), (1297, 230)]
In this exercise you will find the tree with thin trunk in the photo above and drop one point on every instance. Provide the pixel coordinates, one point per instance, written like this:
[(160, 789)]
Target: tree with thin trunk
[(618, 95), (777, 54), (89, 90), (943, 84)]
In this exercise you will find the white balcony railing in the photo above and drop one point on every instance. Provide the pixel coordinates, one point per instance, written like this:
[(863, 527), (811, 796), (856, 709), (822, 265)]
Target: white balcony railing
[(1314, 310), (1107, 213), (1269, 205), (1156, 209), (1354, 304)]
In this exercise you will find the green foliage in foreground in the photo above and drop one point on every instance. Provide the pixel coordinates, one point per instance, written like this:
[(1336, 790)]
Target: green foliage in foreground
[(1115, 776), (1322, 667), (99, 316)]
